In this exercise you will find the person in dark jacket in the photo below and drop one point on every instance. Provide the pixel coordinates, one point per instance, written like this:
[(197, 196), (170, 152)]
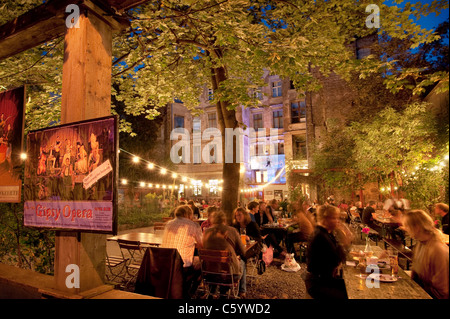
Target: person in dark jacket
[(441, 209), (324, 257)]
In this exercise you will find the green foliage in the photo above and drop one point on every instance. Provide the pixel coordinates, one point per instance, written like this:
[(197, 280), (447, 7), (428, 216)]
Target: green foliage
[(145, 214), (394, 141), (22, 246)]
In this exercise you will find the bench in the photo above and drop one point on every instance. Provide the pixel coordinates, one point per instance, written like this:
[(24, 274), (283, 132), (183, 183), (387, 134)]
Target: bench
[(403, 251)]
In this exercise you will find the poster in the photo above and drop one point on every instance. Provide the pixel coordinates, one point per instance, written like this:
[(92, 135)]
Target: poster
[(11, 137), (70, 177)]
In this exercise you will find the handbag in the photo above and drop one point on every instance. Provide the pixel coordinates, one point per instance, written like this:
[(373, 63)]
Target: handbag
[(268, 255)]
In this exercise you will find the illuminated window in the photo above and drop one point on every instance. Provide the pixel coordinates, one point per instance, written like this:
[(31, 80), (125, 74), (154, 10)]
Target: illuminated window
[(261, 176), (213, 187), (197, 185)]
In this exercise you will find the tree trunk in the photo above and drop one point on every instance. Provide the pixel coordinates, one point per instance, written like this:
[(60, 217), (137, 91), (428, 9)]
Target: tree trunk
[(230, 171)]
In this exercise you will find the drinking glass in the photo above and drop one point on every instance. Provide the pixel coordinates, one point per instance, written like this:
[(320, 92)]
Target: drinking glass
[(393, 261)]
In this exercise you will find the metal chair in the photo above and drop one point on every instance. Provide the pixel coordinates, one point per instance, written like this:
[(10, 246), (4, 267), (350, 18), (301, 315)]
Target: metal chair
[(217, 271), (134, 250), (116, 266)]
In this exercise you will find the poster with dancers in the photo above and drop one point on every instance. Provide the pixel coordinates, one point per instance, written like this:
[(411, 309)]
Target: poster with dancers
[(70, 177), (12, 105)]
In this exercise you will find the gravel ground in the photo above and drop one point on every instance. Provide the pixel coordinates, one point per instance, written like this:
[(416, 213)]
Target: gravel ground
[(276, 283)]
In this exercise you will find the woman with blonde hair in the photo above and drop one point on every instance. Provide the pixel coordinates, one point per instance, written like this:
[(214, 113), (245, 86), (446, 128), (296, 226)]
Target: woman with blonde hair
[(430, 255)]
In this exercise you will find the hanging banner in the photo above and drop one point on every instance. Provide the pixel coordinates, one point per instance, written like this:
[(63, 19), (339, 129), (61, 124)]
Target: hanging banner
[(71, 176), (12, 104)]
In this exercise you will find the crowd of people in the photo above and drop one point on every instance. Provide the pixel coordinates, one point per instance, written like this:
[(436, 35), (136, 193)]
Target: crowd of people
[(325, 229)]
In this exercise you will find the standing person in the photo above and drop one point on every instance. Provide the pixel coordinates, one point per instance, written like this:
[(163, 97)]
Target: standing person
[(430, 255), (185, 235), (324, 256), (301, 230), (223, 237), (441, 209)]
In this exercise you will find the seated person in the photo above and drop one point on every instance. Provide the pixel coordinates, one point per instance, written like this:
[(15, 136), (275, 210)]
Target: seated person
[(430, 265), (367, 216), (253, 208), (223, 237), (242, 221), (300, 231), (185, 235), (260, 215), (207, 223)]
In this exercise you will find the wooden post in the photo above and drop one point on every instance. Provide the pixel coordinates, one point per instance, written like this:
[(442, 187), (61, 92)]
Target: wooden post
[(86, 94)]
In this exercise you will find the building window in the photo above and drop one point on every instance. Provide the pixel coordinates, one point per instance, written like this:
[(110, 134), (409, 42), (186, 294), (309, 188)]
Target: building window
[(299, 147), (257, 93), (278, 119), (196, 124), (298, 112), (257, 121), (212, 120), (276, 88), (210, 94), (197, 156), (261, 176), (213, 187), (280, 148), (197, 185), (178, 121)]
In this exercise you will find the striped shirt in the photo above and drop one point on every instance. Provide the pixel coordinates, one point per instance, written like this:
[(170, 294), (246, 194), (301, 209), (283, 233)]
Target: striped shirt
[(182, 233)]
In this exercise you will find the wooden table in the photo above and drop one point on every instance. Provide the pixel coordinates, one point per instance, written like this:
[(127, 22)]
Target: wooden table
[(403, 288), (145, 238), (385, 223)]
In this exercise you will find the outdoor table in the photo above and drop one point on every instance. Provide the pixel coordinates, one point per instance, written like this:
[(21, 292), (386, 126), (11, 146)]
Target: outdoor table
[(145, 238), (403, 288), (280, 229), (385, 223)]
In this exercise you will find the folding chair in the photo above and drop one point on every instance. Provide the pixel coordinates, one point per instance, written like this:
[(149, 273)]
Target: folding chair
[(116, 266), (134, 250), (217, 271)]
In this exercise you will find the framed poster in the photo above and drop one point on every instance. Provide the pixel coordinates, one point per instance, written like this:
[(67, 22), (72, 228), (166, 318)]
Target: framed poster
[(71, 177), (12, 104)]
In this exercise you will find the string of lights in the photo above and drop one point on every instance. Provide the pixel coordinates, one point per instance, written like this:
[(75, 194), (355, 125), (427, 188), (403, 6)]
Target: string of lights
[(182, 178)]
